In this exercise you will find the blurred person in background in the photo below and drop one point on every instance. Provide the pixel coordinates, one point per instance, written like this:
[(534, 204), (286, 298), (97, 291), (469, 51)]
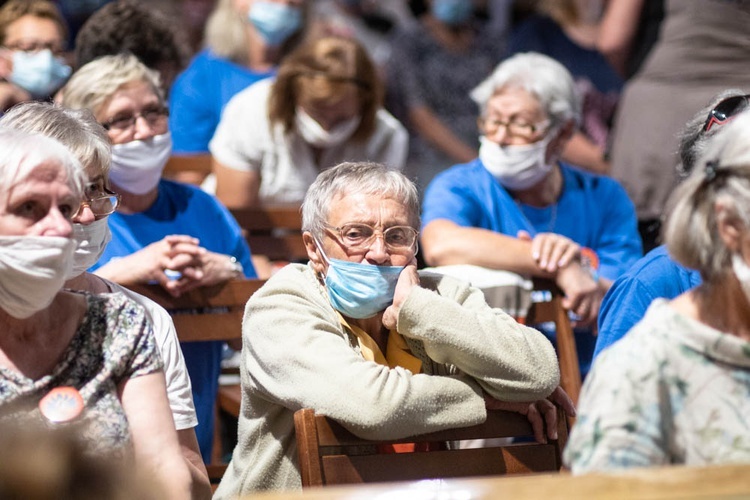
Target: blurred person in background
[(33, 38), (245, 41), (131, 26), (324, 107), (434, 65), (567, 31), (678, 77), (518, 208)]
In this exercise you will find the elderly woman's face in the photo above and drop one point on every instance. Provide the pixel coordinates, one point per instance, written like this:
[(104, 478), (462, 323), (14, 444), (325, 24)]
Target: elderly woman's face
[(42, 204), (514, 116), (133, 113), (377, 212)]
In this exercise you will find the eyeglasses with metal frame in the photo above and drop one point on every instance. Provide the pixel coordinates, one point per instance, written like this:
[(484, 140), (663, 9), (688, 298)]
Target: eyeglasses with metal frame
[(153, 116), (358, 236), (101, 204)]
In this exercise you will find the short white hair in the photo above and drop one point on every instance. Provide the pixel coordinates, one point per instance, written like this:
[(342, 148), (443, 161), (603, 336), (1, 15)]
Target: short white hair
[(23, 152), (722, 175), (541, 76)]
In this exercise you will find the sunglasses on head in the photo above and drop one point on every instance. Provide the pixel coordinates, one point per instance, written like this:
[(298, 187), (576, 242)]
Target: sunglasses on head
[(725, 111)]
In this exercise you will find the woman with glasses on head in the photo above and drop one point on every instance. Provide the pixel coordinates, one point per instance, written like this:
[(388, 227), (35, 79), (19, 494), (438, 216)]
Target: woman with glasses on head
[(675, 389), (69, 357), (362, 337), (33, 35), (518, 208), (324, 107), (89, 143), (657, 275), (164, 232)]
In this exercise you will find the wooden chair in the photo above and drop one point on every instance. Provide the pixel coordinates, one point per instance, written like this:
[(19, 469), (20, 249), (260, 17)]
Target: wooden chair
[(190, 169), (209, 313), (329, 454), (553, 311), (274, 231)]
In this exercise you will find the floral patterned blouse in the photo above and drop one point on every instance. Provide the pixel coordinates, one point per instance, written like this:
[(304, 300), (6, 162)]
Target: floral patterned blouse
[(114, 343), (672, 391)]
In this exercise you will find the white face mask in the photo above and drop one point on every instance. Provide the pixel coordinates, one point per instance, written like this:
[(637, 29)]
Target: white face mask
[(315, 135), (742, 271), (91, 240), (32, 271), (137, 165), (516, 167)]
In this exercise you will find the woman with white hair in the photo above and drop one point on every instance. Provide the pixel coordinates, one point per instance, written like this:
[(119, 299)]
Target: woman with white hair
[(362, 337), (675, 389), (518, 208), (69, 357), (163, 231)]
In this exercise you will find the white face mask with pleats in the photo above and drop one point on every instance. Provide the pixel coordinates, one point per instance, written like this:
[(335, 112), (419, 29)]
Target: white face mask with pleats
[(137, 165), (32, 271), (91, 240), (314, 134), (516, 167)]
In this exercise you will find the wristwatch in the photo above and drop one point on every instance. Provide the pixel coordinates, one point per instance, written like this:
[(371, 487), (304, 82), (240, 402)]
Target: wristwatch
[(236, 267)]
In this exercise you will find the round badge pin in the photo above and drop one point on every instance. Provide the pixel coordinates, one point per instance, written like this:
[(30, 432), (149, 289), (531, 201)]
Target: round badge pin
[(61, 404)]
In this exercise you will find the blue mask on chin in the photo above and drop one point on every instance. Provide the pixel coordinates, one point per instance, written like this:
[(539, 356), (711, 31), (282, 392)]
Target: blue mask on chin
[(452, 12), (275, 22), (359, 290)]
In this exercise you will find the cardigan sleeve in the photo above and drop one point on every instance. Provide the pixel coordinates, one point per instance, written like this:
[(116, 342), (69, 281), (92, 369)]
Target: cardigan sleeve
[(511, 362)]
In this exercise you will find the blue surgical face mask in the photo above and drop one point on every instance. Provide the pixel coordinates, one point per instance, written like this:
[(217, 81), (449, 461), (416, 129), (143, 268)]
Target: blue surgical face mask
[(452, 12), (275, 22), (359, 290), (39, 73)]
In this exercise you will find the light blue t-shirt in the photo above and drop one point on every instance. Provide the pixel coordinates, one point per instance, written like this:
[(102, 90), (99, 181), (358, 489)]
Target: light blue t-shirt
[(199, 95), (593, 210), (185, 209), (654, 276)]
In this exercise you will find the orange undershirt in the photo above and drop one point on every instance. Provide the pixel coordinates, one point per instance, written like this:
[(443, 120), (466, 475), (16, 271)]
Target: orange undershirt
[(397, 353)]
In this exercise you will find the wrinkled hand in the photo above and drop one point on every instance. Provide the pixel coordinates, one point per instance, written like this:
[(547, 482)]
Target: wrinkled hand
[(178, 253), (539, 413), (583, 295), (407, 280), (551, 251), (212, 268)]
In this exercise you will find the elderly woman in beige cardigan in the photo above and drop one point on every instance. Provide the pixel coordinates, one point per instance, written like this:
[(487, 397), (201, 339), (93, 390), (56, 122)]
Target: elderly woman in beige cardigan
[(362, 337)]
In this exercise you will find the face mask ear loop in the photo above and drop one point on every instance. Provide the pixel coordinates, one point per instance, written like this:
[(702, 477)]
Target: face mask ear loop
[(322, 253)]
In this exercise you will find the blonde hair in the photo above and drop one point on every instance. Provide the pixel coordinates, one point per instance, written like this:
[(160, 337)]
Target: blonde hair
[(94, 83), (226, 33), (722, 175), (322, 72)]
